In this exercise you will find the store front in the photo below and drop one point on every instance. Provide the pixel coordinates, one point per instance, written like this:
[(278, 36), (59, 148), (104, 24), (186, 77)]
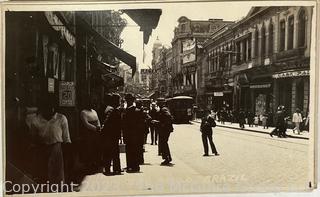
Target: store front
[(40, 62), (292, 90), (262, 97), (93, 64)]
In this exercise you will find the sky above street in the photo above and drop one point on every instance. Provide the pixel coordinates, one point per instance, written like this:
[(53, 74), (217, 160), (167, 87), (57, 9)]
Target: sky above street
[(133, 38)]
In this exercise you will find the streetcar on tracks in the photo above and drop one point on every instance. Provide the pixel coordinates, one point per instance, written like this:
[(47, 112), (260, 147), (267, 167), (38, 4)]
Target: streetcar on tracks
[(181, 108)]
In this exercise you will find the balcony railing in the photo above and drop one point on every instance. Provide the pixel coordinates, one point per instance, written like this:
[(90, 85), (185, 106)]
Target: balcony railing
[(215, 74), (293, 53)]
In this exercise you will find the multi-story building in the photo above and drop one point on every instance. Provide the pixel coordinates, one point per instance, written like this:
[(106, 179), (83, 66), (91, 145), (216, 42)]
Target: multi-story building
[(278, 71), (146, 77), (167, 72), (189, 36), (161, 73), (67, 57), (214, 79), (98, 58), (265, 58), (161, 70), (156, 51)]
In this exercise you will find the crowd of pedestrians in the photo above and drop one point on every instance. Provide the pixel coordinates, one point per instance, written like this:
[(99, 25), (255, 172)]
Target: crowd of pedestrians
[(280, 120), (123, 121), (243, 117), (127, 121)]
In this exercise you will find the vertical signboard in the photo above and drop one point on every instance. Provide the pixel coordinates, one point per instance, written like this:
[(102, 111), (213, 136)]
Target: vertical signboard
[(189, 50), (50, 85), (67, 94), (261, 100)]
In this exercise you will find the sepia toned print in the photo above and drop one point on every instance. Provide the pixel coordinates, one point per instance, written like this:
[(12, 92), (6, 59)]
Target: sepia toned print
[(151, 99)]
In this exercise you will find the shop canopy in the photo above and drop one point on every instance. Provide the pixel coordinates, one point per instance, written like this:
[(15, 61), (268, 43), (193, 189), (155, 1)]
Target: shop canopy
[(147, 19), (104, 68), (108, 46), (112, 80)]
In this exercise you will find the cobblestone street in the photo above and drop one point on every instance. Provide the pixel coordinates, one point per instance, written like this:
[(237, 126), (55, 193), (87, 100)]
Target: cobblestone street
[(247, 162)]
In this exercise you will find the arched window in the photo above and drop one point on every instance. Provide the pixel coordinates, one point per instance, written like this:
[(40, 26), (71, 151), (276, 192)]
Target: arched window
[(290, 32), (302, 29), (263, 41), (211, 63), (249, 46), (214, 61), (244, 50), (282, 35), (238, 52), (270, 38), (183, 28), (256, 43)]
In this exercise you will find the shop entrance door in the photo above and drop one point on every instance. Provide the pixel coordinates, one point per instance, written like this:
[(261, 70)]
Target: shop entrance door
[(261, 101), (285, 94)]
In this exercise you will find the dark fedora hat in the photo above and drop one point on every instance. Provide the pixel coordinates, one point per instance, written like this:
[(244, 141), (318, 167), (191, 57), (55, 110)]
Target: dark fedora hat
[(129, 97)]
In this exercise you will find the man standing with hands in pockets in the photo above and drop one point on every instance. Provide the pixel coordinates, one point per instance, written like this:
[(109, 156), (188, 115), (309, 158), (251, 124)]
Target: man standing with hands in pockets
[(207, 122)]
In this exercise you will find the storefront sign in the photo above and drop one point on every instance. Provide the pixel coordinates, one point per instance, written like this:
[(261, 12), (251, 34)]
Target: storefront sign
[(57, 25), (51, 85), (261, 101), (67, 94), (257, 86), (188, 44), (189, 69), (190, 57), (292, 74), (218, 94)]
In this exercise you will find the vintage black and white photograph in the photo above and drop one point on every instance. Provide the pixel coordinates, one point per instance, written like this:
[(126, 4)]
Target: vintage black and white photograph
[(159, 98)]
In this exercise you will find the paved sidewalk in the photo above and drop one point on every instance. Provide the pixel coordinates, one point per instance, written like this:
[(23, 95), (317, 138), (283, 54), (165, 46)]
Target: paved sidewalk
[(259, 129)]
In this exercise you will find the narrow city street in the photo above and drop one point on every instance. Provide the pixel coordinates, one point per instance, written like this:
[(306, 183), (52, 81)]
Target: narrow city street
[(77, 81), (247, 162)]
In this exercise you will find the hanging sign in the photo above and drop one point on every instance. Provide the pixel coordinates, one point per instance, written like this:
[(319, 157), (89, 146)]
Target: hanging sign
[(258, 86), (190, 57), (67, 94), (51, 85), (218, 94), (189, 69), (57, 25), (188, 44), (300, 73)]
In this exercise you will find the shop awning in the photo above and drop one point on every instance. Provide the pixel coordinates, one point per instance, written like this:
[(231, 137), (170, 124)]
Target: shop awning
[(147, 19), (151, 95), (112, 80), (109, 47), (104, 68)]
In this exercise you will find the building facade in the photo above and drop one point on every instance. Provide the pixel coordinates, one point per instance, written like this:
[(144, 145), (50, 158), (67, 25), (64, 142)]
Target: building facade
[(189, 37), (56, 56), (277, 71), (40, 65), (215, 79), (146, 77), (260, 62)]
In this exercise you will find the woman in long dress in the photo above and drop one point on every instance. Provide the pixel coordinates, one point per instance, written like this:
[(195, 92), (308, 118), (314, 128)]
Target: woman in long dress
[(91, 127), (49, 130)]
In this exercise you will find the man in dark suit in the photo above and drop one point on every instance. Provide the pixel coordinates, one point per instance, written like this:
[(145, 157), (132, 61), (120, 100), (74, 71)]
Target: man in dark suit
[(242, 119), (207, 122), (143, 124), (131, 135), (111, 135), (165, 128), (280, 129), (153, 130)]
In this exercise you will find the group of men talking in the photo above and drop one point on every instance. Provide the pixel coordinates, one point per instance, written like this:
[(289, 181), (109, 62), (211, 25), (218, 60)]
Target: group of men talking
[(131, 124)]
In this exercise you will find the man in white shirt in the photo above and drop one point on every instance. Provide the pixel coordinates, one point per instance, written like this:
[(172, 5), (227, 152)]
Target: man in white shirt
[(297, 119)]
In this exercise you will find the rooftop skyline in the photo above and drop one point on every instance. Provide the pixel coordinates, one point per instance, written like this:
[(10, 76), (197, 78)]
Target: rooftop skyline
[(133, 38)]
